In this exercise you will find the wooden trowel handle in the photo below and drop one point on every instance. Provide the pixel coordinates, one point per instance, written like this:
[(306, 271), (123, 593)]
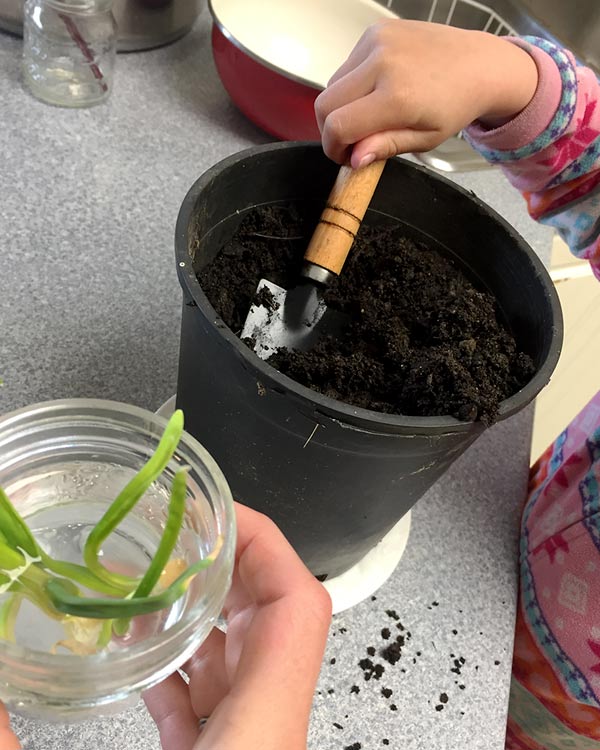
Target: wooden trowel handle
[(341, 219)]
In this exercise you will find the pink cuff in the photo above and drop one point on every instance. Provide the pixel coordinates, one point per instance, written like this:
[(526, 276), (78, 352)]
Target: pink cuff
[(536, 116)]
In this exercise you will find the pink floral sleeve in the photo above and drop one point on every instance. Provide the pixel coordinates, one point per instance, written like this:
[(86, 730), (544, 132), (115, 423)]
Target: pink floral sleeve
[(551, 150)]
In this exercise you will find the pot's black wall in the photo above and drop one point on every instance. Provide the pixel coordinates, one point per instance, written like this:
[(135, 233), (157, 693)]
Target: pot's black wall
[(336, 496)]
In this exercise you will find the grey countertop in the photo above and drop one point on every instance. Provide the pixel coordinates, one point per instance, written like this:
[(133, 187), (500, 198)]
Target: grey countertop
[(90, 305)]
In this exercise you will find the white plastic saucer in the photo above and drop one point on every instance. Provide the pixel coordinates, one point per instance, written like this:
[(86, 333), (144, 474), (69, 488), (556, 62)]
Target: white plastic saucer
[(364, 578)]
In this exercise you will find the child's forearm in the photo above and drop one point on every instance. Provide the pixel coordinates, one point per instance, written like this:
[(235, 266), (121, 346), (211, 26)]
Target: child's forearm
[(551, 150)]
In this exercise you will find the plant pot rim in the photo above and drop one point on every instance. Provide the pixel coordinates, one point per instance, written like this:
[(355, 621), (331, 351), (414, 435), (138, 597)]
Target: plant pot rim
[(346, 415)]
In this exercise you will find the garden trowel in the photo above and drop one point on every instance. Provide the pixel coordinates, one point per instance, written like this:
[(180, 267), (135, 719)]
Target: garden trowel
[(297, 318)]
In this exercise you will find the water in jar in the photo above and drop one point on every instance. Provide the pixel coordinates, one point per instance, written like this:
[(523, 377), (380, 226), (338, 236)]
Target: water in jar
[(61, 530)]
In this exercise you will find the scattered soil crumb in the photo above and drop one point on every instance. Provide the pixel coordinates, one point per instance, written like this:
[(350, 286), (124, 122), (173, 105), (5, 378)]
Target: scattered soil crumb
[(371, 670), (392, 653)]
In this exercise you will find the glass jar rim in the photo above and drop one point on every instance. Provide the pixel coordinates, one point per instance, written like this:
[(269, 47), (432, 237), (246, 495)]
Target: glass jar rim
[(151, 425), (81, 6)]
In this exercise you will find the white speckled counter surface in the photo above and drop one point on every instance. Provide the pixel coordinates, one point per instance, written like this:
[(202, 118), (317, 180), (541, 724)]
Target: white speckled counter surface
[(89, 306)]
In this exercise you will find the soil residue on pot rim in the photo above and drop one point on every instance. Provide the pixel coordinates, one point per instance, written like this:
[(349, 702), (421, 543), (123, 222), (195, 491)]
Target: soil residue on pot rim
[(422, 339)]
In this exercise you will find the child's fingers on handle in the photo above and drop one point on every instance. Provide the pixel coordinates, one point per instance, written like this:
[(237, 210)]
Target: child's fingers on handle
[(353, 122), (357, 83), (389, 143), (359, 54)]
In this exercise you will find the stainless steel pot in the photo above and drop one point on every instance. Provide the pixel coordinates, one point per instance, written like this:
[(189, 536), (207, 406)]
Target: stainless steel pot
[(142, 24)]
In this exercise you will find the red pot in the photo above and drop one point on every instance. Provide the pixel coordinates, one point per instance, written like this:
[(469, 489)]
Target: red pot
[(275, 56)]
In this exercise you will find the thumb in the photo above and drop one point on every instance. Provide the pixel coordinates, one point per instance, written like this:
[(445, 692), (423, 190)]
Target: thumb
[(389, 143), (8, 741)]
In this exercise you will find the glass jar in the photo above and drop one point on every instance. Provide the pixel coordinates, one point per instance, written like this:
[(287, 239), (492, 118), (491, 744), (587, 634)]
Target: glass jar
[(61, 464), (69, 50)]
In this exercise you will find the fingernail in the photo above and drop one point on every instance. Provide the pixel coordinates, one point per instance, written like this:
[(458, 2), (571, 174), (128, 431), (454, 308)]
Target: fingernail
[(366, 160)]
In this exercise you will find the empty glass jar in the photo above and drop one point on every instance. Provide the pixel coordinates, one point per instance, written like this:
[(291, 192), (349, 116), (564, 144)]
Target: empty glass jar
[(69, 50)]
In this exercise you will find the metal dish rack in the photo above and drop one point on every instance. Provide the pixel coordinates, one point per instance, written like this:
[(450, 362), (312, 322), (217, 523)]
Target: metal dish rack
[(467, 14), (454, 155)]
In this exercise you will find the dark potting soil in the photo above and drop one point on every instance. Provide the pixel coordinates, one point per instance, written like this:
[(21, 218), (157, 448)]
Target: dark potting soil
[(421, 340)]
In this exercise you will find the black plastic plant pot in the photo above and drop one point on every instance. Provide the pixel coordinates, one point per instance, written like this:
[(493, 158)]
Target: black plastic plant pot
[(334, 477)]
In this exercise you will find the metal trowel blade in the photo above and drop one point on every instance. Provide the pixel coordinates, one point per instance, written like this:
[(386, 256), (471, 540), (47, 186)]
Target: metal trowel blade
[(295, 319)]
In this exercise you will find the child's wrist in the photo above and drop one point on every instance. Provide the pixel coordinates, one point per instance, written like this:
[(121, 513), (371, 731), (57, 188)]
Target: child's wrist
[(511, 84)]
